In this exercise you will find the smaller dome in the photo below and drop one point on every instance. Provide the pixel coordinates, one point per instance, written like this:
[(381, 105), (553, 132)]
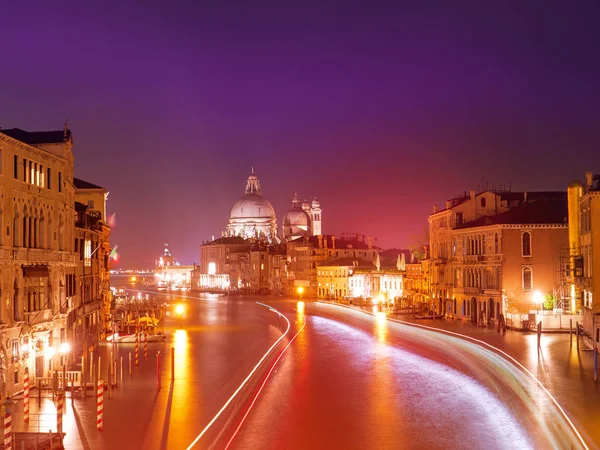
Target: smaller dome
[(296, 222)]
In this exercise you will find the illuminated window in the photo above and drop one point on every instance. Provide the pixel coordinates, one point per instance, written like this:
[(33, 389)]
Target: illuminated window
[(212, 268), (527, 279), (87, 253), (526, 243)]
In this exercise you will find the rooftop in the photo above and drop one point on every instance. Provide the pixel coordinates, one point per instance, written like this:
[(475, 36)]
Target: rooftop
[(347, 262), (81, 184), (38, 137), (547, 212)]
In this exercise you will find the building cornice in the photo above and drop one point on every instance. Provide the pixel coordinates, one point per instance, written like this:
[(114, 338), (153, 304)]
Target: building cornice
[(38, 151), (501, 226)]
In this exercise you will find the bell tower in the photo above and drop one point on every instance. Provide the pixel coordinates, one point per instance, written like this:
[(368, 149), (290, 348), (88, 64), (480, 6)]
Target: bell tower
[(315, 216)]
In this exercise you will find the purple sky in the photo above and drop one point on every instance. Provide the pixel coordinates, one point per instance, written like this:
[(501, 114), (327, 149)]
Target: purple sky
[(380, 110)]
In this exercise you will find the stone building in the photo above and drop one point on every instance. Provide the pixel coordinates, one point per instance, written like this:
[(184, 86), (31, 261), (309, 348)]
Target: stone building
[(459, 212), (584, 252), (505, 263), (38, 264), (88, 291)]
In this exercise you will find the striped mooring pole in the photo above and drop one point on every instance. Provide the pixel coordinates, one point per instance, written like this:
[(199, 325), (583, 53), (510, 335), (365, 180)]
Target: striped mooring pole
[(145, 345), (7, 427), (59, 412), (137, 344), (26, 395), (99, 404)]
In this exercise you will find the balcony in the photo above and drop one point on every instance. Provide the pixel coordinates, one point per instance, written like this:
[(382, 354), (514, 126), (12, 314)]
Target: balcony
[(37, 317), (473, 291)]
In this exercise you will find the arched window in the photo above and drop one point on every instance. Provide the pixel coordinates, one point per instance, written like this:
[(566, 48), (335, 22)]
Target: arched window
[(527, 279), (453, 246), (483, 203), (526, 243), (483, 244), (496, 244)]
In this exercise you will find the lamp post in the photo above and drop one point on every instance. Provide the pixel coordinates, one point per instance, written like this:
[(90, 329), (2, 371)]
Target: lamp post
[(538, 298)]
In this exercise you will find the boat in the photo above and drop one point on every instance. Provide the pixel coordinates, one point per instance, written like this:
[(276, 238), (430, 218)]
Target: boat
[(130, 338)]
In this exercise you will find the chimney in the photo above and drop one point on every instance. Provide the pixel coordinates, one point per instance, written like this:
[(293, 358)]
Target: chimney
[(370, 242), (525, 197), (472, 194), (320, 237), (434, 209), (448, 204), (589, 178), (325, 241), (332, 241)]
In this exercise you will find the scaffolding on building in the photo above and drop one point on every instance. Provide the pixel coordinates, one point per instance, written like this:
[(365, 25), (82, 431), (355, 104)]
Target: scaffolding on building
[(562, 280), (568, 270)]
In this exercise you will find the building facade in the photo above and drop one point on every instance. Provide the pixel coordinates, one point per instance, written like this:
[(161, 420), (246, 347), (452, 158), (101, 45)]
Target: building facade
[(584, 255), (38, 262), (463, 241)]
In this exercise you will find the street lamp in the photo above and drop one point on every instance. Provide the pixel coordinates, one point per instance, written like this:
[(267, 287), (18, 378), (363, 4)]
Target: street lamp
[(538, 298), (300, 291), (179, 311)]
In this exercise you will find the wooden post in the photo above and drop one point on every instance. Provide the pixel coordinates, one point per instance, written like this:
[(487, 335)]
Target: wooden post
[(172, 363), (129, 363), (26, 396), (158, 369), (99, 404), (577, 333)]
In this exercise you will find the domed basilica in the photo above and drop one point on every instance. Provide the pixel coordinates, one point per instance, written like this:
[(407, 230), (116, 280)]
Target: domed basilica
[(253, 217)]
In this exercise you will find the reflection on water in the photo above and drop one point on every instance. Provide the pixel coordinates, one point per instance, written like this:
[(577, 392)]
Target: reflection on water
[(381, 326), (301, 307)]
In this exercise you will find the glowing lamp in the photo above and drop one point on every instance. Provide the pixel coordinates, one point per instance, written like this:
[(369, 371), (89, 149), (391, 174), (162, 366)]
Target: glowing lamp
[(538, 297), (179, 309), (65, 347), (300, 290)]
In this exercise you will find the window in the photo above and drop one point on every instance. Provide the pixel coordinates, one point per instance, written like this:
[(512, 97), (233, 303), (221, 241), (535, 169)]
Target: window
[(454, 246), (16, 167), (59, 181), (459, 219), (91, 204), (88, 253), (24, 170), (526, 243), (49, 179), (483, 202), (527, 279), (496, 242), (483, 244), (212, 268)]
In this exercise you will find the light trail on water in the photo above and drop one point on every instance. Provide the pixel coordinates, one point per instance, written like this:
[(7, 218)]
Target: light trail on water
[(235, 433), (240, 387)]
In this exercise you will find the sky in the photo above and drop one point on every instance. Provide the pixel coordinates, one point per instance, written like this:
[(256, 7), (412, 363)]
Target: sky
[(379, 109)]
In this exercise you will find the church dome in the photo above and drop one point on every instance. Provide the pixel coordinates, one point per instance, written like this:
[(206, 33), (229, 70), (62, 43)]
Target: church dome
[(296, 221), (253, 216), (252, 206)]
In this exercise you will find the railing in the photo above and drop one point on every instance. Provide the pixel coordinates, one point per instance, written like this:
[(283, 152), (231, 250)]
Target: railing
[(32, 318), (73, 378), (38, 423)]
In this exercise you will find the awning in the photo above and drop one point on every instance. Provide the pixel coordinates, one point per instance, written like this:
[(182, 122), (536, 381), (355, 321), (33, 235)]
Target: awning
[(36, 271)]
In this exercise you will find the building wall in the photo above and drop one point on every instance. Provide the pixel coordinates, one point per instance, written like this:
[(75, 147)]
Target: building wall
[(36, 254), (546, 244), (590, 250)]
